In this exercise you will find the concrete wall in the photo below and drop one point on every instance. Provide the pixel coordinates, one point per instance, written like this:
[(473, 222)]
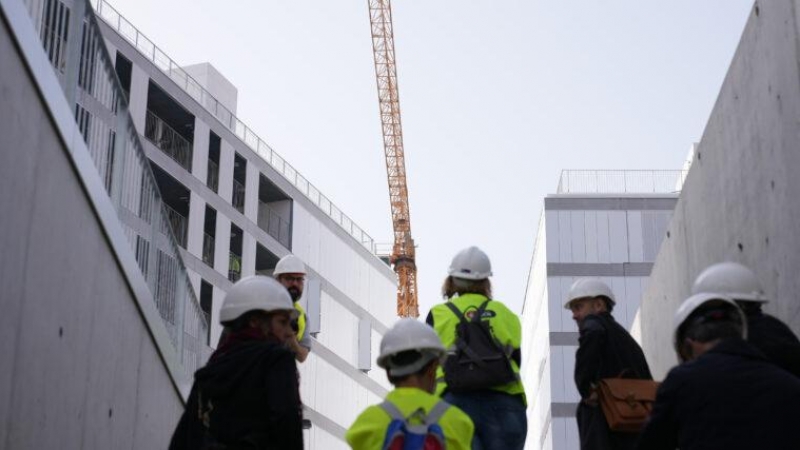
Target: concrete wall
[(79, 368), (741, 200)]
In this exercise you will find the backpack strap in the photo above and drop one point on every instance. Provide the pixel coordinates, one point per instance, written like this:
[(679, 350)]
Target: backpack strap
[(456, 311), (476, 318), (431, 418), (437, 412), (393, 411)]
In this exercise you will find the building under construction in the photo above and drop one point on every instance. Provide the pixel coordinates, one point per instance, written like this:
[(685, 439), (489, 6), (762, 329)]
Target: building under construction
[(189, 200)]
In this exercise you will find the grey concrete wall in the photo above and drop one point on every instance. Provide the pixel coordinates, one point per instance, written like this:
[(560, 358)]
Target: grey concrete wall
[(79, 368), (741, 200)]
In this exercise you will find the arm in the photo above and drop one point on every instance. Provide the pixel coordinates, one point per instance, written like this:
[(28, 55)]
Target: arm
[(661, 430), (284, 413), (369, 429), (588, 358)]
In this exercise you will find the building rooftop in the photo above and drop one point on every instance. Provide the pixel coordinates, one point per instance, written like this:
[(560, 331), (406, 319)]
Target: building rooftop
[(621, 181)]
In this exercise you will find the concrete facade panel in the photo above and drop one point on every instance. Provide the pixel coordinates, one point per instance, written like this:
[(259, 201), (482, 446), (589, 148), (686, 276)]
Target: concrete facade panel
[(72, 336), (740, 200), (552, 241)]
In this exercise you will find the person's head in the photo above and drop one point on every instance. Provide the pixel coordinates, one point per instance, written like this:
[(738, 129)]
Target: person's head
[(702, 321), (733, 280), (410, 354), (589, 296), (259, 303), (291, 273), (469, 273)]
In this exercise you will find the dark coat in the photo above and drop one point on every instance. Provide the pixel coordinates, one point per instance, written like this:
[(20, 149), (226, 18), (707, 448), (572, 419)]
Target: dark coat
[(250, 397), (775, 340), (729, 398), (606, 350)]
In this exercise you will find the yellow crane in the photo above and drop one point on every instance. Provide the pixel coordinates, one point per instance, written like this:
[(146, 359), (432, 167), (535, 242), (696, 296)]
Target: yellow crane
[(403, 251)]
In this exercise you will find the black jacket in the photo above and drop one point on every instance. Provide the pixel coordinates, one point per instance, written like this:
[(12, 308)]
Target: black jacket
[(250, 397), (606, 350), (729, 398), (775, 340)]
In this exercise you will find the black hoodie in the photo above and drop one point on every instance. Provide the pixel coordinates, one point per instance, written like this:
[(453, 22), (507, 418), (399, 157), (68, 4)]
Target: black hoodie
[(248, 397)]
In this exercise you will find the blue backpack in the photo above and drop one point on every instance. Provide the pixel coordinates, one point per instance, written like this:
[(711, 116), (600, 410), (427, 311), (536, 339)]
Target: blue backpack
[(417, 431)]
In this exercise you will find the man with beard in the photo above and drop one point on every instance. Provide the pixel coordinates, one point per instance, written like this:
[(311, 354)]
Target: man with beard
[(247, 396), (291, 273)]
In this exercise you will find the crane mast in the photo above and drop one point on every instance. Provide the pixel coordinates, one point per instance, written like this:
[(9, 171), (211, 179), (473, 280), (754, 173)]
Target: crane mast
[(403, 252)]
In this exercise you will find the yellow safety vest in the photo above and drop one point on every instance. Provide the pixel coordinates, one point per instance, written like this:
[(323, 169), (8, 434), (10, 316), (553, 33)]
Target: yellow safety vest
[(369, 430), (504, 324), (301, 320)]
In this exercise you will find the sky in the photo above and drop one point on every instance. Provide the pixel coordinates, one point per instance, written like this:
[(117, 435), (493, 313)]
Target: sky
[(497, 97)]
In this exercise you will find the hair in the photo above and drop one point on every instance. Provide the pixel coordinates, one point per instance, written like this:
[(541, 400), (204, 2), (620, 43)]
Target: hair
[(405, 358), (609, 303), (712, 322), (458, 286), (243, 322)]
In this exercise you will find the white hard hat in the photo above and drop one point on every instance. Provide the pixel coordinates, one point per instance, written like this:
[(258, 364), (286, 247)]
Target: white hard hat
[(471, 264), (696, 301), (255, 293), (289, 264), (588, 288), (732, 279), (409, 334)]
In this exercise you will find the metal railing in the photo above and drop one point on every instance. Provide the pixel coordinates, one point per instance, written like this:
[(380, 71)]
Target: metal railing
[(208, 249), (212, 178), (178, 224), (237, 199), (621, 181), (195, 90), (275, 225), (168, 140), (92, 90)]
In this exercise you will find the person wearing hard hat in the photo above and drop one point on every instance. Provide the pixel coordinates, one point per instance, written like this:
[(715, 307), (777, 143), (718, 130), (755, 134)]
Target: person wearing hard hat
[(247, 396), (410, 353), (764, 331), (497, 408), (605, 350), (725, 394), (291, 273)]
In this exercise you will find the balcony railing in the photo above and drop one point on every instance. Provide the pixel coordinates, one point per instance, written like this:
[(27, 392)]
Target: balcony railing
[(168, 140), (621, 181), (178, 224), (212, 178), (234, 267), (195, 90), (91, 88), (208, 249), (275, 225), (237, 200)]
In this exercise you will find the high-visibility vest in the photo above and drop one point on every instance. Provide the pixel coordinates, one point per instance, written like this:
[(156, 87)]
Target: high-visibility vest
[(369, 429), (301, 320), (505, 326)]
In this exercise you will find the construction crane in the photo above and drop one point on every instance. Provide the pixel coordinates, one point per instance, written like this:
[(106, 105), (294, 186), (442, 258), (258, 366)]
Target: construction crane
[(403, 251)]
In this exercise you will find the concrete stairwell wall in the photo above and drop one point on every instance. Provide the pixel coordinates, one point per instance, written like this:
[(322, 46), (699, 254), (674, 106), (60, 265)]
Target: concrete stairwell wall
[(741, 200), (78, 366)]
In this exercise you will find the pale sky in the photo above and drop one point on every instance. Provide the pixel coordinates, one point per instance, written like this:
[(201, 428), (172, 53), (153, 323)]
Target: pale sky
[(497, 98)]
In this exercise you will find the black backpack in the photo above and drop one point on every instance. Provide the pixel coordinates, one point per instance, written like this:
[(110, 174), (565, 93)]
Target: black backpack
[(479, 362)]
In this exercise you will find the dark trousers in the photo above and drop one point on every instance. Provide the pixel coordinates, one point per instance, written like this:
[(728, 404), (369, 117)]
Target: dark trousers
[(594, 432)]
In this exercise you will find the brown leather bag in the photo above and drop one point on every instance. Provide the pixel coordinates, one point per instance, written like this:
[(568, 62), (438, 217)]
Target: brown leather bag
[(626, 402)]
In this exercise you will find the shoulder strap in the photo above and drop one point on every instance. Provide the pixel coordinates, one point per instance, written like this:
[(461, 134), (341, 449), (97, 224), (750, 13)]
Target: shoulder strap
[(481, 309), (437, 412), (456, 311), (393, 411)]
